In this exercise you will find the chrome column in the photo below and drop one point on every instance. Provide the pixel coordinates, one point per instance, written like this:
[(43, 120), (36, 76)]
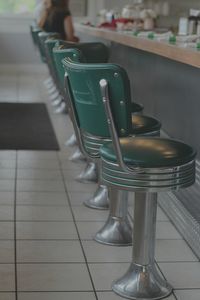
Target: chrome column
[(143, 280)]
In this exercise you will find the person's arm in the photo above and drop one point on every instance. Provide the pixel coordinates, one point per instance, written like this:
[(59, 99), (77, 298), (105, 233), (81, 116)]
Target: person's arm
[(69, 29), (43, 18)]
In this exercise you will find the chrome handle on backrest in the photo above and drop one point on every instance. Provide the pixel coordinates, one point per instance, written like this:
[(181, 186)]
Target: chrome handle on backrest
[(112, 128)]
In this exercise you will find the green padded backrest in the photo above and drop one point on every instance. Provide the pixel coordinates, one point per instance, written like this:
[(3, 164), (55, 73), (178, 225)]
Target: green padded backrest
[(42, 37), (49, 45), (99, 53), (34, 34), (59, 54), (86, 96), (92, 52)]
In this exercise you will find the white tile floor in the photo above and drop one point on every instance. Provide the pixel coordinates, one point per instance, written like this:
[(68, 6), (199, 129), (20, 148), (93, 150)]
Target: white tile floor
[(46, 246)]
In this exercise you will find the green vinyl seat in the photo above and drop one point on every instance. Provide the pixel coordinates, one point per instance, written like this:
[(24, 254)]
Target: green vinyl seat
[(141, 125), (100, 103), (157, 153), (137, 107)]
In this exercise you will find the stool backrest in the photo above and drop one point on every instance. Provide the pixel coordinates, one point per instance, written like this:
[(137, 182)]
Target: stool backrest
[(94, 52), (34, 30), (99, 52), (85, 94), (42, 37), (49, 45)]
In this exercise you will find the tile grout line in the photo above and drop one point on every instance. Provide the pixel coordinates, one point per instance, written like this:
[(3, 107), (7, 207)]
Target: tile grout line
[(15, 229), (173, 289), (80, 241)]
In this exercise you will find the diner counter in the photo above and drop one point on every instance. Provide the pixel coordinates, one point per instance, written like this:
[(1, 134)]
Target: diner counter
[(185, 55), (165, 79)]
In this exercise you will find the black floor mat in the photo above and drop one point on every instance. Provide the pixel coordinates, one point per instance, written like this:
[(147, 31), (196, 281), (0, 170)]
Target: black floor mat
[(26, 126)]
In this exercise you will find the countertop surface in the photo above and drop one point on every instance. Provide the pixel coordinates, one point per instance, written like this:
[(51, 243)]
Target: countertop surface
[(190, 56)]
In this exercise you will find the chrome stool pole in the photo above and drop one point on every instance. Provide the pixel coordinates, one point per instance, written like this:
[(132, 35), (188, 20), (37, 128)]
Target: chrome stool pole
[(143, 280), (117, 230)]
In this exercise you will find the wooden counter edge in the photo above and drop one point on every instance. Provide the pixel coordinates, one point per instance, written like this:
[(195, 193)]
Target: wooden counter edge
[(173, 52)]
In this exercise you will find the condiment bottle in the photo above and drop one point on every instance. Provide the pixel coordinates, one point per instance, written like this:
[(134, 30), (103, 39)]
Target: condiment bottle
[(183, 26), (192, 25)]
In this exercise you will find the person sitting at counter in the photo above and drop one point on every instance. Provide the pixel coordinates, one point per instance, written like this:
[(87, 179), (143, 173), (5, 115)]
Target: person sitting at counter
[(56, 17)]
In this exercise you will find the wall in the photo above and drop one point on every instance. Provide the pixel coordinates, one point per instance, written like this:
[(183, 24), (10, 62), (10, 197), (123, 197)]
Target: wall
[(177, 8)]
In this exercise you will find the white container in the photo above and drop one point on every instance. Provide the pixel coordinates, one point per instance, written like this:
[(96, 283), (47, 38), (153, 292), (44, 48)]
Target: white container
[(148, 24), (183, 26)]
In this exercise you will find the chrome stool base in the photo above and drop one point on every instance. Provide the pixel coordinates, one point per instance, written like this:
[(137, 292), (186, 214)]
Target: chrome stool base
[(99, 200), (117, 230), (71, 141), (49, 83), (115, 233), (89, 174), (77, 156), (54, 96), (57, 101), (52, 90), (142, 282), (61, 109)]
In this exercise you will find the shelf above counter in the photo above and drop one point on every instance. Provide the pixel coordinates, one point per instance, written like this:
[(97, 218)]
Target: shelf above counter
[(184, 55)]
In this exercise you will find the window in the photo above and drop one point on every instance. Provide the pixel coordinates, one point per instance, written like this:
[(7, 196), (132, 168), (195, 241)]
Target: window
[(7, 7), (16, 6)]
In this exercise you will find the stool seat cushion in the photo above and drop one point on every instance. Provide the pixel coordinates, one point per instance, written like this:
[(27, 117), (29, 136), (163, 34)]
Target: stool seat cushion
[(150, 152), (136, 107), (143, 125)]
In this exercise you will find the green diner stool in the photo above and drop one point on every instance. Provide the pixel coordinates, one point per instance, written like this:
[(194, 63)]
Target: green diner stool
[(97, 52), (90, 53), (42, 37), (57, 97), (34, 30), (141, 164), (93, 52), (87, 113)]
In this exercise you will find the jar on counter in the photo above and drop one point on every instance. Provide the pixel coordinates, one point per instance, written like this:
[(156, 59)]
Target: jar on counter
[(149, 24)]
